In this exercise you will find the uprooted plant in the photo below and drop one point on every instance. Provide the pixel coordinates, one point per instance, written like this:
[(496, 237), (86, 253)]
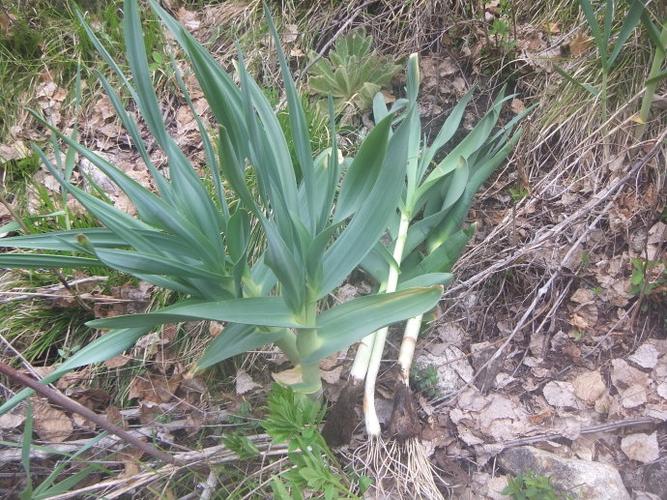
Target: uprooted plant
[(427, 237), (200, 246)]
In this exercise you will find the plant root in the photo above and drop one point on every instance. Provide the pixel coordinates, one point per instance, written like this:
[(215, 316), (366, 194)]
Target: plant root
[(399, 469), (342, 418)]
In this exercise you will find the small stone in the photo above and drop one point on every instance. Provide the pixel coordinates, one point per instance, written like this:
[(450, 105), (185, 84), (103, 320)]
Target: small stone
[(655, 478), (623, 375), (662, 390), (641, 447)]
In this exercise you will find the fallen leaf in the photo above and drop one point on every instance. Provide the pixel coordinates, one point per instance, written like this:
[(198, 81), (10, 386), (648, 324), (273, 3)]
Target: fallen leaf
[(579, 44), (641, 447), (552, 28), (517, 106), (589, 386), (244, 382), (288, 377), (560, 394), (155, 389), (215, 328), (11, 420), (623, 375), (633, 396), (117, 361), (645, 356), (50, 424)]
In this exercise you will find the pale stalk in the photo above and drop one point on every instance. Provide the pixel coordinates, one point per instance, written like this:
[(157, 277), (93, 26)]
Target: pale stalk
[(407, 351), (373, 366)]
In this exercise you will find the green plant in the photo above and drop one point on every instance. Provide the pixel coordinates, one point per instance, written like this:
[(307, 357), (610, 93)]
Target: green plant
[(352, 74), (294, 419), (608, 52), (641, 283), (518, 193), (271, 289), (425, 380), (530, 486)]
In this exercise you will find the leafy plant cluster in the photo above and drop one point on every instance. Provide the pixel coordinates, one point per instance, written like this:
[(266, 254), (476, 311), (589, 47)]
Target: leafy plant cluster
[(294, 419), (531, 486), (352, 74), (317, 218), (425, 380)]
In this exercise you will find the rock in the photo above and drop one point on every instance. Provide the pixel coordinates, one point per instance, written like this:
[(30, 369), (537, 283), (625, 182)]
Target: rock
[(641, 447), (655, 478), (586, 479)]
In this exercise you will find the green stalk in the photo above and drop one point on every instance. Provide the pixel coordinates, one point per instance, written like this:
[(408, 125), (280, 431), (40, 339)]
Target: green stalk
[(649, 93), (306, 342)]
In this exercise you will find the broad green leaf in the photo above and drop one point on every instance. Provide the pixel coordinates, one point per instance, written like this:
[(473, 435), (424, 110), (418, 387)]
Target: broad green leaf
[(371, 220), (106, 347), (592, 21), (193, 200), (347, 323), (630, 22), (236, 339), (446, 132), (42, 261), (145, 263), (364, 171), (425, 280), (260, 311), (297, 118)]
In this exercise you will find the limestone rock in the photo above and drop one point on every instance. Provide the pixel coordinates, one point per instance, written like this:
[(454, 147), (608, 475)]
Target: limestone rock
[(586, 479)]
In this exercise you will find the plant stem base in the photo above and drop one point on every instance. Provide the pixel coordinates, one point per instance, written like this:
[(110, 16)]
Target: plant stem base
[(342, 417)]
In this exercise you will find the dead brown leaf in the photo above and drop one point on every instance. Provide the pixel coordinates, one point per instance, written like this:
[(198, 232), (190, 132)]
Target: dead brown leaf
[(154, 389), (244, 382), (117, 361), (50, 424), (589, 386), (11, 420), (579, 44)]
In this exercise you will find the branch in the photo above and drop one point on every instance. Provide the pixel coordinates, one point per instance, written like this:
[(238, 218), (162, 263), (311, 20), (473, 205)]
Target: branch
[(75, 407)]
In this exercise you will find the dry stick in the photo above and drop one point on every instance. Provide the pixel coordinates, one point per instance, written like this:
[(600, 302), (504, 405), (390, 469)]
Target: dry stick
[(49, 291), (73, 406), (550, 436)]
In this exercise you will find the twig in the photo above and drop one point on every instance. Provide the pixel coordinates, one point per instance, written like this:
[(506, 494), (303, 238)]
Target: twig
[(209, 485), (50, 291), (73, 406), (610, 426), (107, 443)]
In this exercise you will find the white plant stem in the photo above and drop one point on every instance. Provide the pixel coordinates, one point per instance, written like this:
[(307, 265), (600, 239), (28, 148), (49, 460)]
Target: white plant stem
[(379, 337), (407, 351)]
